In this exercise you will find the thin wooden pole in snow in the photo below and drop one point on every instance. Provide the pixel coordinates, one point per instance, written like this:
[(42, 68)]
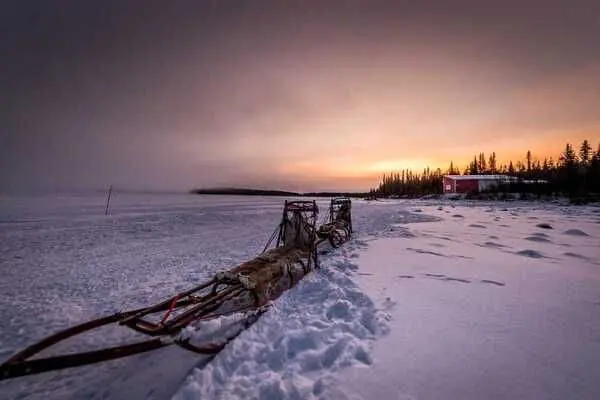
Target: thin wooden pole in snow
[(108, 200)]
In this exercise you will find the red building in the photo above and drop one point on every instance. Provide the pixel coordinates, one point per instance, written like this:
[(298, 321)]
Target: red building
[(473, 183)]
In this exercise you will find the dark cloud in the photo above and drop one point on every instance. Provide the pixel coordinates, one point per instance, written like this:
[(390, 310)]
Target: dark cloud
[(170, 95)]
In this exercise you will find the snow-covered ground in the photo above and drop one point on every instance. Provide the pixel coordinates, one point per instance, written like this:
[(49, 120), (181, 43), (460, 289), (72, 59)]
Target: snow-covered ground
[(485, 305), (427, 301)]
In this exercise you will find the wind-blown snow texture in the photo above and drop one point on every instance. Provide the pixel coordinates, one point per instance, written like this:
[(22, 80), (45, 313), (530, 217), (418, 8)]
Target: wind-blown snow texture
[(473, 301), (486, 306)]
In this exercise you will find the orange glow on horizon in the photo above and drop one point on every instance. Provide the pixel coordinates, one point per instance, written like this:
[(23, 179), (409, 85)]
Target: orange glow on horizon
[(362, 173)]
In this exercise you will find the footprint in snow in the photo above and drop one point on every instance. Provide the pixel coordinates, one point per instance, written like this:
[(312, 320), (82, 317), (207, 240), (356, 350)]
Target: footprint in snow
[(339, 310), (544, 226), (405, 276), (443, 277), (388, 304), (540, 234), (539, 239), (575, 232), (575, 255), (493, 237), (421, 251), (477, 226), (458, 216), (457, 280), (492, 282), (492, 244), (343, 265), (530, 253), (445, 238)]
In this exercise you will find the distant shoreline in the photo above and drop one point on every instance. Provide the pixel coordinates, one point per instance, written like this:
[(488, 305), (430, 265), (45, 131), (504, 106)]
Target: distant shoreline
[(367, 196), (275, 193)]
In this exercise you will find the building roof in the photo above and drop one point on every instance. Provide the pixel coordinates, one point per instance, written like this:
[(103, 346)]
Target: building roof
[(481, 177)]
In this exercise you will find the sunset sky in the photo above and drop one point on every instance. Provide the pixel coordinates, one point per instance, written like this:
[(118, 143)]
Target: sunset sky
[(296, 95)]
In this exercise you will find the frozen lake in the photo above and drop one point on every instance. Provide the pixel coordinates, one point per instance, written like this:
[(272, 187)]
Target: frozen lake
[(476, 284), (63, 261)]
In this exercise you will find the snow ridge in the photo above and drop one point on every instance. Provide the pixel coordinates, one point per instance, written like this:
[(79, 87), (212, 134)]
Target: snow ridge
[(323, 324)]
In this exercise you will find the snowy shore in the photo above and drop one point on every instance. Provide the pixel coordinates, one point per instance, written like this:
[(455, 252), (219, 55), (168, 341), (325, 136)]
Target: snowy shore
[(429, 300), (485, 304)]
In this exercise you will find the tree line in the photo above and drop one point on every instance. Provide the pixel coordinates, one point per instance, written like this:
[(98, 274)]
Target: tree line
[(576, 172), (409, 183)]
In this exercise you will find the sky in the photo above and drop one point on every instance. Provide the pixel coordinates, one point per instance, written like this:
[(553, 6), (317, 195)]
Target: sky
[(294, 95)]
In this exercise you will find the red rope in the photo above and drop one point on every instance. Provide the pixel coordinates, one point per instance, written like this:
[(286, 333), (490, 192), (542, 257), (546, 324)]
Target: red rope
[(162, 321)]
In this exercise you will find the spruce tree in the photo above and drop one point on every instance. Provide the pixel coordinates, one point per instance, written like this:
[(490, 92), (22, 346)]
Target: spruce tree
[(585, 152)]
